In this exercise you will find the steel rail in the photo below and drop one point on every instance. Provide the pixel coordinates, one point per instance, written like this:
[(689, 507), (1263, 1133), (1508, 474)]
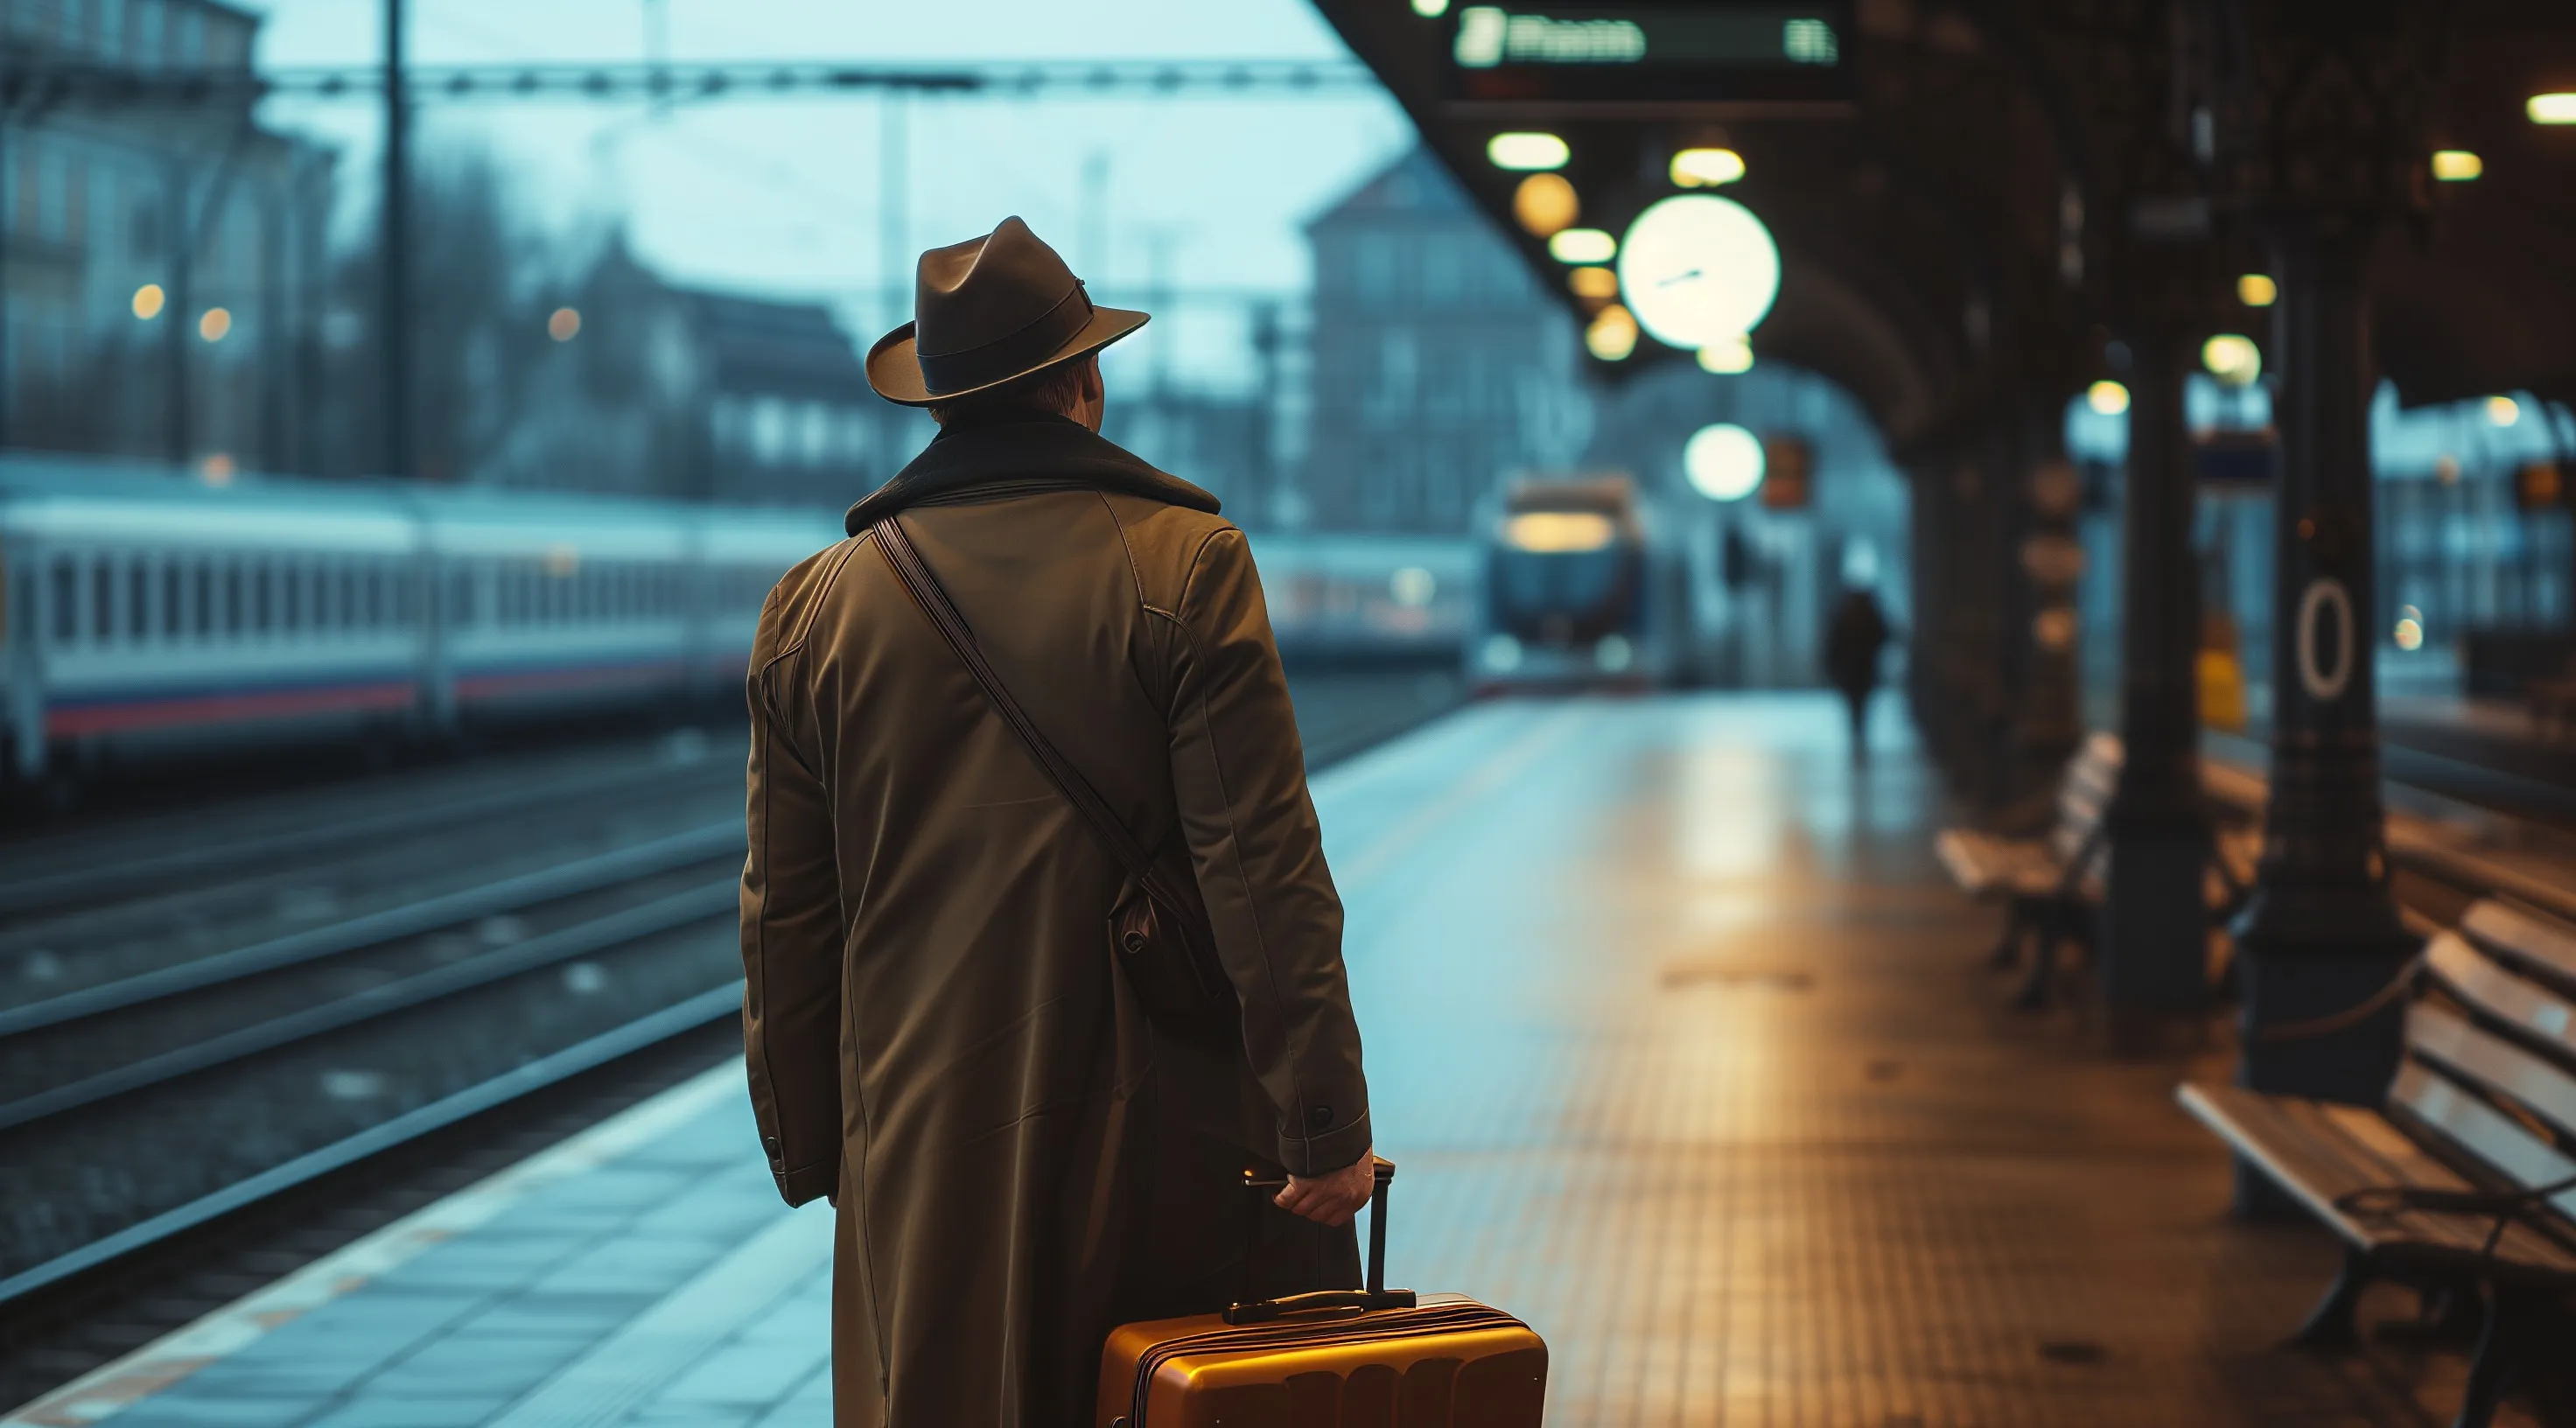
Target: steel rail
[(625, 925), (47, 892), (590, 874), (701, 1010)]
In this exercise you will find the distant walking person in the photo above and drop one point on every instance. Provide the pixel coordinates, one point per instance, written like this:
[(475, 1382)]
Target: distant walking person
[(1853, 639), (1040, 948)]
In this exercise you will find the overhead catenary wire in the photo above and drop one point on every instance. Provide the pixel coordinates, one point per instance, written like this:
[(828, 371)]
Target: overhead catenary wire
[(54, 84)]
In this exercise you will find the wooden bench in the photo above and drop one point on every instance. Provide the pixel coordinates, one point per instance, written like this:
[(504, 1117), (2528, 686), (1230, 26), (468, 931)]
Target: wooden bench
[(2483, 1108), (2052, 886)]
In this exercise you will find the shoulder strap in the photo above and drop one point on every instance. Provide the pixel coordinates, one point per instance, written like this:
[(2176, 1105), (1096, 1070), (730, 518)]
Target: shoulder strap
[(1113, 835)]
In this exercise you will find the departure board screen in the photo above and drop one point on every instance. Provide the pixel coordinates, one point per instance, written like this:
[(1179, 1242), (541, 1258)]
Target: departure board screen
[(1586, 54)]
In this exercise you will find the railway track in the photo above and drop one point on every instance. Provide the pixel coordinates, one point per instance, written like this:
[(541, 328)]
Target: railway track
[(159, 1130)]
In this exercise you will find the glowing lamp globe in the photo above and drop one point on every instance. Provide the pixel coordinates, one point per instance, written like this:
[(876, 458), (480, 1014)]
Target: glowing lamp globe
[(1723, 462), (1698, 270)]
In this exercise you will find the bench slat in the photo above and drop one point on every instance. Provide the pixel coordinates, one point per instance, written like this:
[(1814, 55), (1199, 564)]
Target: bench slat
[(2544, 943), (2318, 1151), (2490, 987), (2481, 1056), (2495, 1138)]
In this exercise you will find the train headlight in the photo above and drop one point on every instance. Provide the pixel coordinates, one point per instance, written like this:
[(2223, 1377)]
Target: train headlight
[(1613, 654), (1502, 654)]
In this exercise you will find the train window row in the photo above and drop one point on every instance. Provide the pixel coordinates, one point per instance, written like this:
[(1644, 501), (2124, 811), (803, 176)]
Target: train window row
[(101, 600), (521, 593)]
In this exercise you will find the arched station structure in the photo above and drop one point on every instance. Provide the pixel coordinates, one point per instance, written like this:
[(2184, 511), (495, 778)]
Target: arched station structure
[(1983, 209)]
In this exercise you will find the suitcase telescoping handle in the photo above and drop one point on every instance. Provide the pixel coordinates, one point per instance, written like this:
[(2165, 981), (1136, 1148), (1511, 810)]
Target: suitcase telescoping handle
[(1247, 1310)]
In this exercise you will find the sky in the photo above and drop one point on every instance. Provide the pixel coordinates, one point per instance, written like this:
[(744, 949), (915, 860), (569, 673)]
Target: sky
[(783, 197)]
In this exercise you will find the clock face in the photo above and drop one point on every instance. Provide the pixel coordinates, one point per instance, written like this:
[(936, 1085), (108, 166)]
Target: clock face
[(1698, 270)]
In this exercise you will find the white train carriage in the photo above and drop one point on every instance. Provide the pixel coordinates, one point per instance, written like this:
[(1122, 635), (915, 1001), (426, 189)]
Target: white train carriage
[(145, 608), (1368, 598), (743, 556), (551, 602)]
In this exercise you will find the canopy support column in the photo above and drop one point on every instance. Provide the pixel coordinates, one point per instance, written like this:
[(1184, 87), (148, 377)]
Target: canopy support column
[(2321, 934), (2155, 923)]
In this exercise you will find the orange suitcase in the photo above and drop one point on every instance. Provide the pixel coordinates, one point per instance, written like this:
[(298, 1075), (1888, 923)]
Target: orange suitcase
[(1340, 1358)]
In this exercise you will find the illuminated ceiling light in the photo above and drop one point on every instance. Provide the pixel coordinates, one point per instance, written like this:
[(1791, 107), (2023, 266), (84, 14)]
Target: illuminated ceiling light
[(2446, 469), (1706, 168), (2232, 358), (2552, 108), (1723, 462), (1582, 245), (1431, 9), (2457, 165), (1727, 357), (2409, 634), (214, 324), (1545, 205), (2107, 398), (563, 324), (1523, 152), (2257, 290), (1612, 334), (148, 300), (1699, 269), (1593, 282), (2503, 411)]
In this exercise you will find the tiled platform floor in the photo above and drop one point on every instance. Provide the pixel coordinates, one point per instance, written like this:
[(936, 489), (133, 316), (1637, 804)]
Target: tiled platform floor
[(1687, 1057)]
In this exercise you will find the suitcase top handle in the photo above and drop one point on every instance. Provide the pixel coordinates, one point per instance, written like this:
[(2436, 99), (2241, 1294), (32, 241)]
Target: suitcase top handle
[(1246, 1310)]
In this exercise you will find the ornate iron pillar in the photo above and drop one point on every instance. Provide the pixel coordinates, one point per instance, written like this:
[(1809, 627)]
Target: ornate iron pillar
[(1978, 586), (2051, 560), (2333, 97), (1925, 631), (2321, 933), (2155, 922)]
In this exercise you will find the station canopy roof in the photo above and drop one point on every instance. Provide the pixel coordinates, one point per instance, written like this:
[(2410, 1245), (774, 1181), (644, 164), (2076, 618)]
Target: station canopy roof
[(1924, 167)]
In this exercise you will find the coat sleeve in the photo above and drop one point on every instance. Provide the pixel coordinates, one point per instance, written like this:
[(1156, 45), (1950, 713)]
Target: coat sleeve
[(1240, 777), (791, 945)]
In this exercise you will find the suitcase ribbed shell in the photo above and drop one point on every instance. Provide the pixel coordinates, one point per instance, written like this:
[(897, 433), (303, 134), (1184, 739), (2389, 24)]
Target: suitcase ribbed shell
[(1449, 1362)]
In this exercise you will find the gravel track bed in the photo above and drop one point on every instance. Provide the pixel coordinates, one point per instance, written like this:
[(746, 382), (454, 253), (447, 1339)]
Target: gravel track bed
[(51, 1056), (76, 1178), (52, 956)]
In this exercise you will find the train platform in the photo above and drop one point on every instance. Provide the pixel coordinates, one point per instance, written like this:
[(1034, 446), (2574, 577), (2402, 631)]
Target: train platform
[(1689, 1056)]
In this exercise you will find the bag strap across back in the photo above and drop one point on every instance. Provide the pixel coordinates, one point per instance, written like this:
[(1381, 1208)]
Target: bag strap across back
[(1113, 834)]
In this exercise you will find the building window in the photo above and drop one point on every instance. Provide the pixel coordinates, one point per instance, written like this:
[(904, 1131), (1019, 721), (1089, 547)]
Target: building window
[(818, 433), (1444, 271), (1377, 258), (768, 430), (147, 32), (111, 30)]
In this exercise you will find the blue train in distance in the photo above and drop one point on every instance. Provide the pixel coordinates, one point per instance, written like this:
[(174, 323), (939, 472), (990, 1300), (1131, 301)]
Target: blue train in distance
[(1581, 589)]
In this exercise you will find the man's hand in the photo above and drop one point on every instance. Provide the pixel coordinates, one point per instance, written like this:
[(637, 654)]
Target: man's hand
[(1332, 1198)]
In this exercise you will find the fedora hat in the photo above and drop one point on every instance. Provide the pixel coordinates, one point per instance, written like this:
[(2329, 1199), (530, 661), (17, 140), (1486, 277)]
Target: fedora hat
[(985, 311)]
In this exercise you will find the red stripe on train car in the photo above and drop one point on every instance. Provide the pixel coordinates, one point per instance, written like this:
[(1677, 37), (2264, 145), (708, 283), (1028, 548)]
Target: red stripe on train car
[(541, 681), (160, 713)]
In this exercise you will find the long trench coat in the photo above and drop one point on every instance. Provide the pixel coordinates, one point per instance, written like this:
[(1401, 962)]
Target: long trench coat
[(937, 1037)]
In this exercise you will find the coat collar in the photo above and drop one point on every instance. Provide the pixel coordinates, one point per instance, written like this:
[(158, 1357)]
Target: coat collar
[(1048, 449)]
